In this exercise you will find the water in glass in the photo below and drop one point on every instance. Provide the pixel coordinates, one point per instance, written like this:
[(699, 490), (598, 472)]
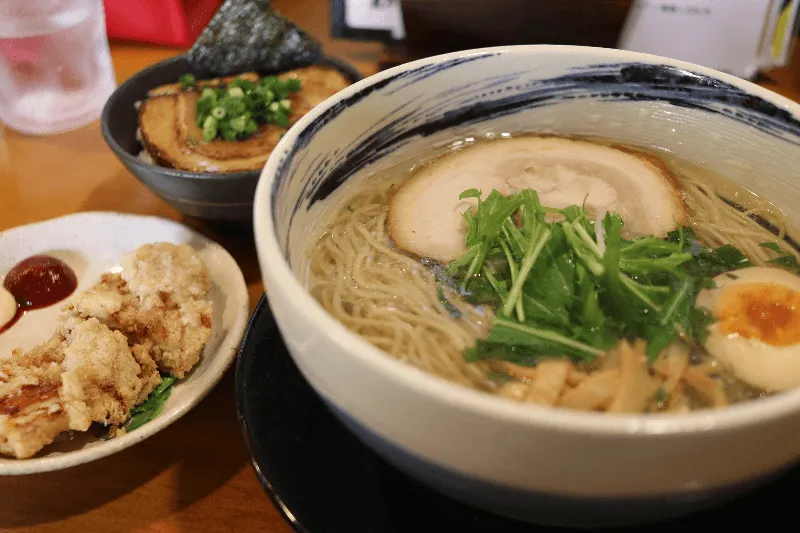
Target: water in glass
[(55, 65)]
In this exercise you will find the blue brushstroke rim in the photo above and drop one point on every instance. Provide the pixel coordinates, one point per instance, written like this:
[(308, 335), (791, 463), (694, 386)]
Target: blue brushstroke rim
[(605, 82)]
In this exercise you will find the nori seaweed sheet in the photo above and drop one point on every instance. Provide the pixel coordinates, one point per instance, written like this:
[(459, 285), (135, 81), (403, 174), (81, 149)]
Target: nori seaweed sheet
[(249, 35)]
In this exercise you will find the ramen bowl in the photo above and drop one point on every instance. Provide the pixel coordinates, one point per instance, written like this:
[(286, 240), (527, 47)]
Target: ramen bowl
[(540, 464)]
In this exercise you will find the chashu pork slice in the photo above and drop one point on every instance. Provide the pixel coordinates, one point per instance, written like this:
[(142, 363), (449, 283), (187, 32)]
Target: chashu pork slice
[(170, 134), (159, 135), (425, 213)]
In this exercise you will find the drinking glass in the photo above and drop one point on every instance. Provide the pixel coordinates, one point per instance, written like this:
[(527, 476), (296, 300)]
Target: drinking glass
[(55, 65)]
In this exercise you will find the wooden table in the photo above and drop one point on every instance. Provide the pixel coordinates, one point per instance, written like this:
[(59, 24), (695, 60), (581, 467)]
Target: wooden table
[(194, 475)]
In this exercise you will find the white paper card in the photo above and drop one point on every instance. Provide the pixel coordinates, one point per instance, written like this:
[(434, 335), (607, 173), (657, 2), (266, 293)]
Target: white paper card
[(721, 34), (375, 15)]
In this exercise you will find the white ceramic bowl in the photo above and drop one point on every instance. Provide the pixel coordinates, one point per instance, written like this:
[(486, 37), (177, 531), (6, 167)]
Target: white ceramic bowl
[(538, 464)]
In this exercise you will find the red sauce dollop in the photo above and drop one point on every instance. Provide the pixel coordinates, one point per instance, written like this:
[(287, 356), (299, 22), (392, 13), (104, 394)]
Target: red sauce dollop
[(13, 321), (39, 281)]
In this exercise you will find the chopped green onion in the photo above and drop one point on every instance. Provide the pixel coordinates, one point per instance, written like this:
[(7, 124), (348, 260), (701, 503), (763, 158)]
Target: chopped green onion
[(237, 107), (238, 124), (235, 111), (245, 85), (208, 92), (209, 128), (187, 81), (280, 119), (293, 84), (280, 91)]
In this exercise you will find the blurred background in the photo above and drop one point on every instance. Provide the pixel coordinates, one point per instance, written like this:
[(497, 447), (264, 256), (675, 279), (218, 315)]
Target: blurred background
[(738, 36), (746, 38), (435, 26), (431, 26)]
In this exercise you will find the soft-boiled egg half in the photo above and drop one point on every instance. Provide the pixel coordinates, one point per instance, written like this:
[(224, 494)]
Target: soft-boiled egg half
[(8, 307), (757, 331)]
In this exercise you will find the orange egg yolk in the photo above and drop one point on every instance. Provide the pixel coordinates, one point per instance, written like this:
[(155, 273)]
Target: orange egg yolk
[(765, 311)]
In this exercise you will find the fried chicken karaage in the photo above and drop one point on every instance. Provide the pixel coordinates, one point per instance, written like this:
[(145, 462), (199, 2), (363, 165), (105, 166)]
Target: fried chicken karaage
[(114, 341)]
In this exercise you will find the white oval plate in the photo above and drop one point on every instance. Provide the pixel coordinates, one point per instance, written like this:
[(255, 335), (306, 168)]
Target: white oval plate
[(92, 243)]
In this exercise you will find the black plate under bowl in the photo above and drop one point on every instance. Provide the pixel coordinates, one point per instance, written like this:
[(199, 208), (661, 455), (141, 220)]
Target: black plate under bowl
[(323, 479), (218, 196)]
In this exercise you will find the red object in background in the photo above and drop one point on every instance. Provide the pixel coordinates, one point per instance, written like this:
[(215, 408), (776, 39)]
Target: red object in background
[(166, 22)]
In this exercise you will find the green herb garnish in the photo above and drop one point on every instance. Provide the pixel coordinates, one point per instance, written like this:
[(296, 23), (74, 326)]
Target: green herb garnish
[(784, 258), (572, 288), (152, 406), (700, 320), (235, 111)]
